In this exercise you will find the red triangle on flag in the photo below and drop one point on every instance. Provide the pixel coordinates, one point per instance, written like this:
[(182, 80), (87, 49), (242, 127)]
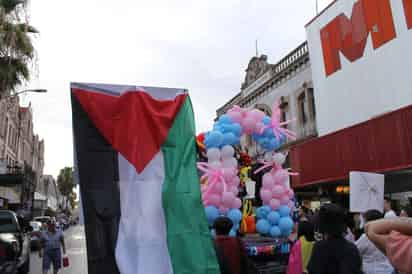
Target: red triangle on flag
[(135, 123)]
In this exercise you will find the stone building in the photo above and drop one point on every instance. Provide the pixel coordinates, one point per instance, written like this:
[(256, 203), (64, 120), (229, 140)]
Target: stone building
[(47, 196), (288, 82), (21, 154)]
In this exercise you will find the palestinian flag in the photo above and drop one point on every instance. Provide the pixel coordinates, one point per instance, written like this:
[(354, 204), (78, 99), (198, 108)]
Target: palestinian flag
[(135, 154)]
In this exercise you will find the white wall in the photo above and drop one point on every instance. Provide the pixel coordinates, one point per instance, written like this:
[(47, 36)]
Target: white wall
[(378, 82)]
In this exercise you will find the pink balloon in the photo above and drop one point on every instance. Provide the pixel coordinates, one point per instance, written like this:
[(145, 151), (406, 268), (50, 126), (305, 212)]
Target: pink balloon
[(227, 199), (223, 209), (249, 125), (278, 191), (284, 200), (214, 199), (281, 176), (218, 188), (290, 193), (274, 204), (235, 116), (256, 115), (259, 127), (234, 190), (237, 203), (229, 173), (265, 195), (267, 181), (235, 181)]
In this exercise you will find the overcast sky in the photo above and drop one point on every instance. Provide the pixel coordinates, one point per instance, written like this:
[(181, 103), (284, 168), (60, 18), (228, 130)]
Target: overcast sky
[(203, 46)]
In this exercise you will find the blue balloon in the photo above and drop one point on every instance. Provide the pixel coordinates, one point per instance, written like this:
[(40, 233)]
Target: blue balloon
[(286, 233), (236, 227), (260, 213), (228, 139), (283, 139), (211, 213), (262, 226), (236, 129), (275, 231), (285, 224), (273, 218), (274, 143), (268, 133), (235, 215), (267, 209), (266, 120), (225, 119), (214, 139), (284, 211), (232, 233)]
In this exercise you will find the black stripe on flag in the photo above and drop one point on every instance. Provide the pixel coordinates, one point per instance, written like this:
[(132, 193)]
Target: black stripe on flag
[(97, 166)]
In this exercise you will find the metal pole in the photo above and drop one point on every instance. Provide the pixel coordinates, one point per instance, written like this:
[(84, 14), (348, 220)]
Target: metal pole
[(317, 7)]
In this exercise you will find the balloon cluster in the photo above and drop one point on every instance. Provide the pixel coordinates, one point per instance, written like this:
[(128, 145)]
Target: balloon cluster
[(222, 185), (274, 223), (277, 197), (266, 137), (225, 132)]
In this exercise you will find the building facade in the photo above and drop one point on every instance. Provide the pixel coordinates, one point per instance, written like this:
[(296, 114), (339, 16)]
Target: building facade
[(47, 196), (21, 154), (289, 83)]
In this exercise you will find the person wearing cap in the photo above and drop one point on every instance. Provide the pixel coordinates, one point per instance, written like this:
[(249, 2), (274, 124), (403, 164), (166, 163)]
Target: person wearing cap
[(52, 241), (334, 254), (230, 252)]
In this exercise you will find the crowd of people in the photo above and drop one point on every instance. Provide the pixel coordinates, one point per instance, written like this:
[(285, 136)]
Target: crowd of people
[(326, 243)]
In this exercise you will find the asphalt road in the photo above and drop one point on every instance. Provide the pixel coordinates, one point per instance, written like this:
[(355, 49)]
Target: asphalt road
[(76, 250)]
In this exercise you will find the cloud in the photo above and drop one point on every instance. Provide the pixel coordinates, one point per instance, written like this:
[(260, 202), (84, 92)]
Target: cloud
[(204, 46)]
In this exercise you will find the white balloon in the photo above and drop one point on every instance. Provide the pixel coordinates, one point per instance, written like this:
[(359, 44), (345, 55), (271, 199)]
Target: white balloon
[(216, 164), (227, 152), (231, 162), (279, 158), (268, 156), (213, 155)]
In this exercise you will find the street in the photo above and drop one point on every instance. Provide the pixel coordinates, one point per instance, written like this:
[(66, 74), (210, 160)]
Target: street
[(76, 250)]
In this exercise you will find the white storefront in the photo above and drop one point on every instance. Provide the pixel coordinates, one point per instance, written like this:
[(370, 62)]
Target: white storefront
[(378, 79)]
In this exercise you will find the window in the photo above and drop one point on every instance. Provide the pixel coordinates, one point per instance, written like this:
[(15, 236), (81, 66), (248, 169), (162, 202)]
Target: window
[(302, 108), (312, 102), (284, 109)]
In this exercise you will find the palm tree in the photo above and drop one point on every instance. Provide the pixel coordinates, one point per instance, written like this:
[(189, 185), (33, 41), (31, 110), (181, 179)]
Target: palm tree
[(16, 48)]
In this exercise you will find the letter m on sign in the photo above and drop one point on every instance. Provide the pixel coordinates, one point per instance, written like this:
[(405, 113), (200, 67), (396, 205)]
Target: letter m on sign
[(349, 36)]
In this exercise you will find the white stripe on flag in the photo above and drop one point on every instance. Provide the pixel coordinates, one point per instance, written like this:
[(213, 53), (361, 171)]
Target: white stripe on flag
[(142, 241)]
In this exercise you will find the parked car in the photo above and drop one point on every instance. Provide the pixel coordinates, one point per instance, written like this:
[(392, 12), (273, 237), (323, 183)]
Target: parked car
[(35, 235), (14, 244)]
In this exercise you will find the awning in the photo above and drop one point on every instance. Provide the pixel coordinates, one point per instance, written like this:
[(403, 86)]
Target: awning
[(381, 144), (10, 194)]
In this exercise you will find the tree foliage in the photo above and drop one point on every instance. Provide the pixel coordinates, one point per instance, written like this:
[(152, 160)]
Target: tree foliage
[(65, 183), (16, 47)]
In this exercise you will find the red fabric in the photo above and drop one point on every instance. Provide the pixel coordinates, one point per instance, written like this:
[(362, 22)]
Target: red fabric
[(135, 124), (378, 145), (233, 251)]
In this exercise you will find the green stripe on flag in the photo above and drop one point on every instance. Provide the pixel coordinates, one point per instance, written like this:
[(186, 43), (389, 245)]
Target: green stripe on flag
[(188, 237)]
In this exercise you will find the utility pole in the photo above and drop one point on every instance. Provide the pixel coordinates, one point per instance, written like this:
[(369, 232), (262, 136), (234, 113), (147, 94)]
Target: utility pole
[(256, 46), (317, 7)]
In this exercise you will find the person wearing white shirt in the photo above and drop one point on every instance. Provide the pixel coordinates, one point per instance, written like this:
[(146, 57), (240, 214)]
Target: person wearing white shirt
[(387, 207), (373, 260)]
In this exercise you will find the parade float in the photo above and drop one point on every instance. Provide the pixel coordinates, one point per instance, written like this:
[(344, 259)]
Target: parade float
[(228, 190)]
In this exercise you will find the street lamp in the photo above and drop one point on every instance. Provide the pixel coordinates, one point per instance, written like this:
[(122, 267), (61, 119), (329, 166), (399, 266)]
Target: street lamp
[(28, 90)]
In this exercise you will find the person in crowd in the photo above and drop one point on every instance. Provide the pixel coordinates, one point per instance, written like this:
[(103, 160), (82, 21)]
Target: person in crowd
[(374, 261), (231, 255), (387, 207), (52, 242), (350, 228), (394, 238), (406, 212), (334, 254), (301, 251)]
